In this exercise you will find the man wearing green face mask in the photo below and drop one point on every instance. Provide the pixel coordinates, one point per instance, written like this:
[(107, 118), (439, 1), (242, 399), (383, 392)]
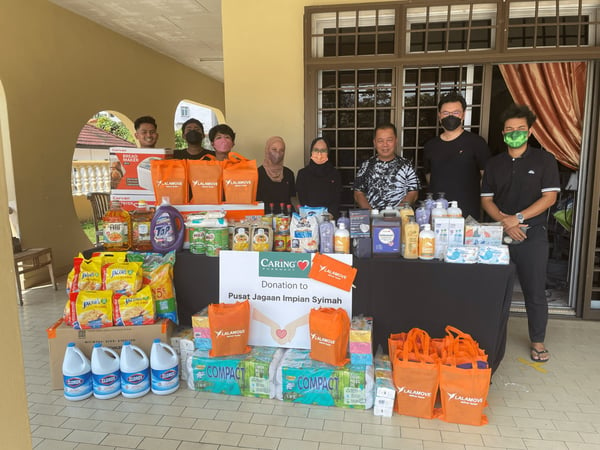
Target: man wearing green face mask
[(518, 188)]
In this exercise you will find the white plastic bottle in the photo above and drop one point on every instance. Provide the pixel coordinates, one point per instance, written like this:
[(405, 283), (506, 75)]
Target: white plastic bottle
[(438, 211), (426, 243), (106, 373), (454, 210), (135, 371), (326, 232), (164, 364), (77, 374), (341, 240)]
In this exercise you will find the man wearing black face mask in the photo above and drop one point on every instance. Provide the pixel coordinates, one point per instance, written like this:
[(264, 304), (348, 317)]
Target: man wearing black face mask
[(454, 160), (193, 133)]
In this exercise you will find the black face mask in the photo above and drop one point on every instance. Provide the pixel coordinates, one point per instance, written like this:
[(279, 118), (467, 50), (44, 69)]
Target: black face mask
[(451, 123), (193, 137)]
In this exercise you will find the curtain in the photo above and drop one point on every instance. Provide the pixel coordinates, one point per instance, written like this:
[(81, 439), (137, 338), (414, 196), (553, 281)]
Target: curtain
[(555, 92)]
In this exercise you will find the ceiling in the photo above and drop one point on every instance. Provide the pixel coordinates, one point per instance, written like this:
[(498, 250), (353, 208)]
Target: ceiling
[(189, 31)]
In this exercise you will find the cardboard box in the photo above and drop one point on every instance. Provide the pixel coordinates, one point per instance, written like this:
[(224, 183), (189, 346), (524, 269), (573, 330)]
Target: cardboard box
[(483, 234), (59, 335), (360, 223), (129, 201), (134, 166)]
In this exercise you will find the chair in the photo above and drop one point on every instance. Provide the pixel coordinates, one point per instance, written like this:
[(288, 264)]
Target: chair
[(30, 260), (100, 204)]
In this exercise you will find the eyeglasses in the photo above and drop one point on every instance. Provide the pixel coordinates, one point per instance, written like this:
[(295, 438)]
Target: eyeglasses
[(450, 113)]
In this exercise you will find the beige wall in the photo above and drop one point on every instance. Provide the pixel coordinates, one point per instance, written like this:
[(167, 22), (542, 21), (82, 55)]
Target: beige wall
[(58, 69), (264, 73)]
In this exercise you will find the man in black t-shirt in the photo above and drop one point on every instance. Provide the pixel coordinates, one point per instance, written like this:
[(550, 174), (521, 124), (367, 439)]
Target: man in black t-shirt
[(455, 159), (192, 131), (518, 187)]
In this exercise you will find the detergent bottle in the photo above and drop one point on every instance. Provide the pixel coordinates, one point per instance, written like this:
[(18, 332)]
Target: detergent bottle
[(164, 365), (106, 373), (135, 371), (77, 374), (167, 228)]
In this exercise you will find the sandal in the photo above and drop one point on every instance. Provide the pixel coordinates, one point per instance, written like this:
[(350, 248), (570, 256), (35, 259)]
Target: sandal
[(539, 355)]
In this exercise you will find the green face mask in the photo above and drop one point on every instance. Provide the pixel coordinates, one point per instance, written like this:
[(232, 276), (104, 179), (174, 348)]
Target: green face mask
[(516, 139)]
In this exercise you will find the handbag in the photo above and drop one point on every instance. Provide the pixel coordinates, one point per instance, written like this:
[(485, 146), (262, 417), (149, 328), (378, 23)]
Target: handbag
[(329, 333), (205, 177), (169, 178), (240, 179), (229, 328)]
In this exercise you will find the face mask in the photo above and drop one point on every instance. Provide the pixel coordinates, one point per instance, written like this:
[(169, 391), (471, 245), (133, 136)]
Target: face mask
[(451, 123), (223, 145), (193, 137), (319, 158), (516, 139)]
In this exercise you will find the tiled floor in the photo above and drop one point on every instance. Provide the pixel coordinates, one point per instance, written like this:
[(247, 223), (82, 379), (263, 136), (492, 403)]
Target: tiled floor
[(551, 406)]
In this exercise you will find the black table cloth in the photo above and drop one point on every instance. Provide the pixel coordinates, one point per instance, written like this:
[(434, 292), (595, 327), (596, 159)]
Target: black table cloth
[(397, 293)]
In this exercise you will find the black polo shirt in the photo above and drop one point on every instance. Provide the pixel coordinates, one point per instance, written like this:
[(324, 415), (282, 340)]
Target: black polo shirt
[(516, 183)]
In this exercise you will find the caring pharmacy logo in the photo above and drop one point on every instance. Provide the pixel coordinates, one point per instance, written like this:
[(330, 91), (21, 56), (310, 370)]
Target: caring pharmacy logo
[(413, 393), (471, 401), (286, 265)]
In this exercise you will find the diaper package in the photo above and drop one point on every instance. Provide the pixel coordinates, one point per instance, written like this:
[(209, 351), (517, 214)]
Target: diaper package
[(493, 254), (250, 375), (461, 254), (299, 379), (385, 392)]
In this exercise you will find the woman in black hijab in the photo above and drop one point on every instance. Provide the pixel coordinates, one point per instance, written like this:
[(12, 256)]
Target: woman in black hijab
[(319, 184)]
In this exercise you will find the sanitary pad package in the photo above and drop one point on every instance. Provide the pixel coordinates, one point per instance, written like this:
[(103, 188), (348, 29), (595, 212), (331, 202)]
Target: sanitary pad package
[(461, 254), (493, 254)]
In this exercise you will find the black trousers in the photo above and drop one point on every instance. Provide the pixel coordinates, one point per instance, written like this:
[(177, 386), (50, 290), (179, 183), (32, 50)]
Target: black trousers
[(531, 259)]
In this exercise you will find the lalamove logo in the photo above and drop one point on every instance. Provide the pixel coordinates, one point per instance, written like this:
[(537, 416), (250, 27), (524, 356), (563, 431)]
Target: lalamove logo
[(472, 401), (413, 392), (230, 333), (322, 340)]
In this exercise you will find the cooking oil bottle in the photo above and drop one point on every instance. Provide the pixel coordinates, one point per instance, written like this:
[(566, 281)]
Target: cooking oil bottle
[(141, 218), (116, 229)]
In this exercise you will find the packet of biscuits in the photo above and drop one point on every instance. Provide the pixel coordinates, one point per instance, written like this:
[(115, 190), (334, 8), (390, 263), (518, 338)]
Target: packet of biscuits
[(136, 309), (90, 275), (123, 278), (93, 309)]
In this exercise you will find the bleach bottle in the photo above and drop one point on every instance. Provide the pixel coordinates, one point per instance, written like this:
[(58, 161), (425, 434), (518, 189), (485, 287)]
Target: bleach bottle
[(164, 364), (106, 373), (135, 371), (167, 229), (77, 374)]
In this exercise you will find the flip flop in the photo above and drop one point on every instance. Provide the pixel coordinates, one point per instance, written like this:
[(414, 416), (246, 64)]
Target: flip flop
[(536, 355)]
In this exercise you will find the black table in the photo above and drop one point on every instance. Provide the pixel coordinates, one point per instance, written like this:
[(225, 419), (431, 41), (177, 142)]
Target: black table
[(397, 293)]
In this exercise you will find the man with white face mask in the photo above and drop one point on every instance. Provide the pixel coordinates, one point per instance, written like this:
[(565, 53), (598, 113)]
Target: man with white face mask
[(455, 159), (518, 187)]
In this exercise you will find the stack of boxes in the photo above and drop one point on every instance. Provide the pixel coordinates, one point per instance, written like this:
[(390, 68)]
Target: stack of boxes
[(385, 393), (361, 341), (182, 342), (201, 330)]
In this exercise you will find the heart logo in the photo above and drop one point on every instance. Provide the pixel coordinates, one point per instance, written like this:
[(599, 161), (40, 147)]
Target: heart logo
[(281, 333), (303, 264)]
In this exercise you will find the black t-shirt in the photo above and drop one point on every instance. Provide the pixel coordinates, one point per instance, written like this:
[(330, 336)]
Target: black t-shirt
[(455, 167), (183, 154), (516, 183), (270, 191), (319, 185)]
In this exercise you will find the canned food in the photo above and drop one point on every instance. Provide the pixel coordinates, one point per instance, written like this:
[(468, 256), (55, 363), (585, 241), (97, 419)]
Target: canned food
[(216, 239), (281, 242), (282, 224), (197, 243)]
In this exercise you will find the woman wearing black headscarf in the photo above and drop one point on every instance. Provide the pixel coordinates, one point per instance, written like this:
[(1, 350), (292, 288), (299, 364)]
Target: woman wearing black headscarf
[(319, 183)]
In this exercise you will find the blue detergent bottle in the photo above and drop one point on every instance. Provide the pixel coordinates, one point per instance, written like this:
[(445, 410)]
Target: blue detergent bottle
[(167, 228)]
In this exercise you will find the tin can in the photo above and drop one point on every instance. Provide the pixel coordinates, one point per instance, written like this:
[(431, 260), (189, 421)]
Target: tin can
[(282, 224), (281, 242), (216, 239), (197, 242)]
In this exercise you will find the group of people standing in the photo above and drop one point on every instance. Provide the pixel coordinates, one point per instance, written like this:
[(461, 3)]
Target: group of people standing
[(515, 188)]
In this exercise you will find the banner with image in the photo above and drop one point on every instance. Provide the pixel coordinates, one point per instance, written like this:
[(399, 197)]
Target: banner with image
[(280, 293)]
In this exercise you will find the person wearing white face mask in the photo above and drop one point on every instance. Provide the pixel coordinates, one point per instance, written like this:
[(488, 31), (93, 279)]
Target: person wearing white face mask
[(319, 183), (518, 188), (276, 183), (455, 159)]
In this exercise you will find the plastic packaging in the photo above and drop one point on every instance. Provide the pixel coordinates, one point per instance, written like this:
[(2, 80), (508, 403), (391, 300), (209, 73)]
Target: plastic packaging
[(135, 371), (422, 214), (426, 243), (341, 240), (116, 230), (326, 233), (164, 364), (106, 372), (141, 220), (438, 211), (77, 374), (167, 228), (410, 231), (344, 219), (441, 197), (454, 210), (429, 202)]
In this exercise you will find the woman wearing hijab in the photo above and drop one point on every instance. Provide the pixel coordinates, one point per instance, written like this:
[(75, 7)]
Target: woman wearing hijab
[(276, 183), (319, 182)]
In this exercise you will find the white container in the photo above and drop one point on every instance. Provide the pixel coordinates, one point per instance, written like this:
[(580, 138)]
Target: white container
[(454, 210), (106, 372), (164, 364), (341, 240), (135, 371), (77, 374), (326, 232), (438, 211), (426, 243)]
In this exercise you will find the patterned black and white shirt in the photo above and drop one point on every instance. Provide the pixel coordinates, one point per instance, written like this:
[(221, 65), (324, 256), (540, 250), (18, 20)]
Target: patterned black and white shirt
[(386, 183)]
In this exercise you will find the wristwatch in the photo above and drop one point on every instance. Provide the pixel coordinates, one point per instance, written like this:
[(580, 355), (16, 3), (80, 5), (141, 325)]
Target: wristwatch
[(520, 217)]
